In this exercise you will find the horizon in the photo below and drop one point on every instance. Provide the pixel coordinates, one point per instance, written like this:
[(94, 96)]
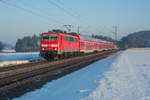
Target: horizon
[(13, 44)]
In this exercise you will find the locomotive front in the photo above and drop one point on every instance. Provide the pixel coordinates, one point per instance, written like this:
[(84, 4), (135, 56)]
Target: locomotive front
[(49, 45)]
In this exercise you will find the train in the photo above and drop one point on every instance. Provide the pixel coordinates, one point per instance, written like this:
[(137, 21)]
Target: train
[(58, 45)]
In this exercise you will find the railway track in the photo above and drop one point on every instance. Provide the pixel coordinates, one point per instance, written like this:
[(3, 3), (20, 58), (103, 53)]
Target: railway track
[(20, 75)]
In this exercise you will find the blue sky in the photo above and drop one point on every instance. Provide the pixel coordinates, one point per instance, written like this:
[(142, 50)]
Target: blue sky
[(20, 18)]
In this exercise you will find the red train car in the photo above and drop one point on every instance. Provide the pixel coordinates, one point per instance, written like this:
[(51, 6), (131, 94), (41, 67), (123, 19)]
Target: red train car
[(88, 44), (101, 46), (95, 44), (55, 45), (82, 44)]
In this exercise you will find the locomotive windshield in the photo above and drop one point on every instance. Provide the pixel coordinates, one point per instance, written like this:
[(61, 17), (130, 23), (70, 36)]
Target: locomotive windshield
[(50, 37), (45, 37)]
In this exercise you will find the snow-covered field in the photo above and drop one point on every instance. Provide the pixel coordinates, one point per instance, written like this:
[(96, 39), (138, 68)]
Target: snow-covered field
[(123, 76), (18, 58), (6, 63)]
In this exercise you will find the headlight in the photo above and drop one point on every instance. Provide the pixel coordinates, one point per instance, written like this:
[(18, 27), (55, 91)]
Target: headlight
[(54, 45), (44, 45)]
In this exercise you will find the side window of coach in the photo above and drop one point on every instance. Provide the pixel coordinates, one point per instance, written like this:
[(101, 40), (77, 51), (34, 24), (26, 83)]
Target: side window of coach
[(76, 39), (65, 38), (71, 39), (82, 43)]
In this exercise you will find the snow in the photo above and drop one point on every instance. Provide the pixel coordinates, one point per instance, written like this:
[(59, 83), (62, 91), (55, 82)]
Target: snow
[(6, 63), (14, 58), (20, 56), (10, 51), (73, 86), (129, 78), (123, 76)]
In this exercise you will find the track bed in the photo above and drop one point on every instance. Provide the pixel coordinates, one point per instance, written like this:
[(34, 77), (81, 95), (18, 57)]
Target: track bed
[(17, 80)]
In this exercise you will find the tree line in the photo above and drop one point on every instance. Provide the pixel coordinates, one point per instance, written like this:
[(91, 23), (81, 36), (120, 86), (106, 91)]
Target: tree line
[(105, 38), (139, 39), (1, 46), (32, 43), (133, 40), (28, 44)]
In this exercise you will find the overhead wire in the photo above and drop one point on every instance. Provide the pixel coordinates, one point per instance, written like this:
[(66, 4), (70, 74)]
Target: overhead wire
[(74, 14), (34, 8), (30, 11), (69, 11), (41, 15), (62, 8)]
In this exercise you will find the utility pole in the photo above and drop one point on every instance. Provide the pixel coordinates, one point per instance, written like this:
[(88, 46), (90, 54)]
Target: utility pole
[(68, 27), (78, 29), (116, 32)]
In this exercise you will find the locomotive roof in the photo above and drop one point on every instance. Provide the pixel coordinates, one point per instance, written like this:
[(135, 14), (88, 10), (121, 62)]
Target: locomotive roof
[(86, 37), (72, 33), (63, 32)]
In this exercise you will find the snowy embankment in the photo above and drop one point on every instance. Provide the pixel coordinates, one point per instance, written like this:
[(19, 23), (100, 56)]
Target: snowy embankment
[(123, 76), (18, 58), (8, 63)]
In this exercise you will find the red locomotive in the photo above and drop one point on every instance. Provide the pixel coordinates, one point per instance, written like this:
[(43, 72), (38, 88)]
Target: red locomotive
[(56, 45)]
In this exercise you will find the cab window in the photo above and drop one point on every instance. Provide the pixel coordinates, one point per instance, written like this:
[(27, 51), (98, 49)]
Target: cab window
[(45, 37), (53, 37), (50, 37)]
